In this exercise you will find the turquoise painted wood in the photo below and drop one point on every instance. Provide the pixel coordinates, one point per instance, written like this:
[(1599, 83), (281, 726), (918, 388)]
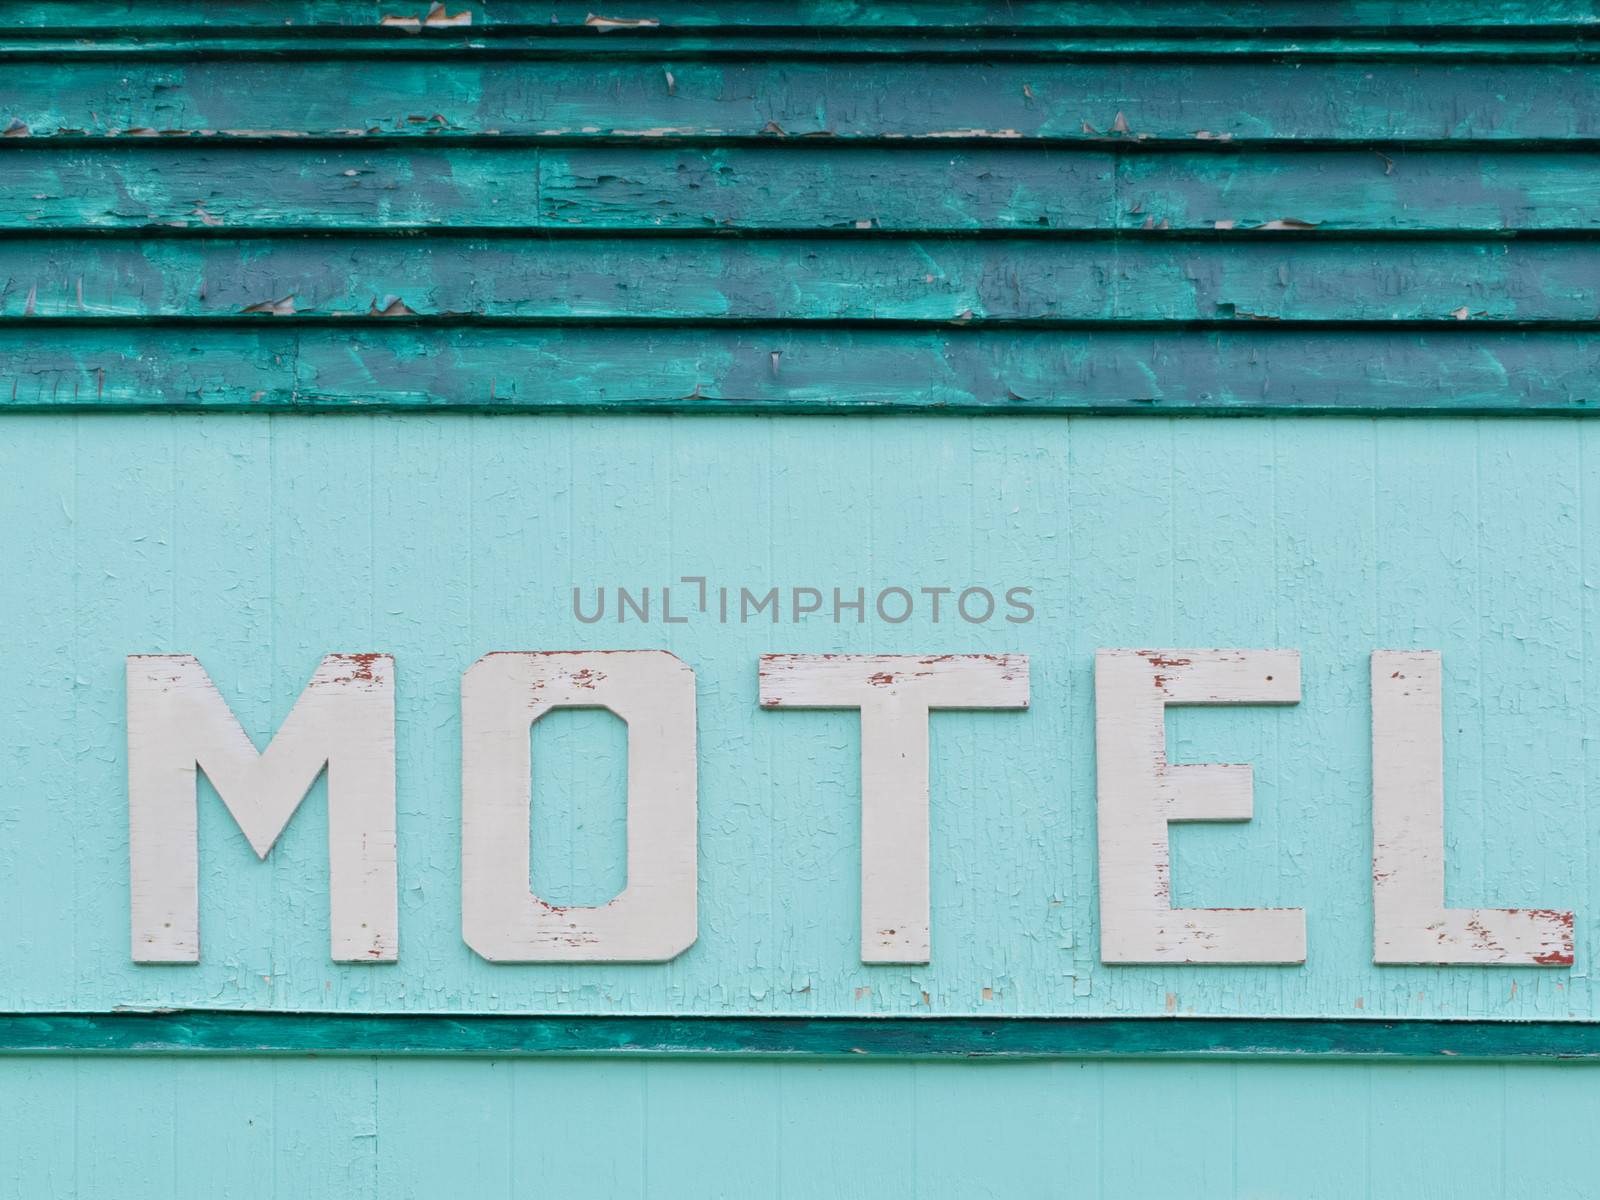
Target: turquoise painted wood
[(363, 325), (940, 1131), (845, 1039), (660, 282), (560, 18), (1065, 102), (814, 206), (261, 543)]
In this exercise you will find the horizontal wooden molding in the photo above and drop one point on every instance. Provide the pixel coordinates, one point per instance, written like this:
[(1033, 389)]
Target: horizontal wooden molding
[(1244, 102), (263, 1033), (220, 188), (447, 280), (1256, 369), (562, 17), (1559, 45)]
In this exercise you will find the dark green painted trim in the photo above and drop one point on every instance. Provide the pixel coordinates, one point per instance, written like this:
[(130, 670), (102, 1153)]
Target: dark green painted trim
[(1241, 103), (1255, 369), (566, 18), (444, 281), (259, 1033), (789, 188), (1110, 45)]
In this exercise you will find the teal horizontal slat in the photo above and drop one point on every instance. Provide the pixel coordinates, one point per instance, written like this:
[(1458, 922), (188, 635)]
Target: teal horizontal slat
[(257, 1033), (214, 189), (662, 281), (857, 15), (1316, 102), (1254, 370), (734, 44)]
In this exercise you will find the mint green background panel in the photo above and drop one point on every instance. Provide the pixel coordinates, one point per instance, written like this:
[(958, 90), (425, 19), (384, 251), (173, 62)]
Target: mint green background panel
[(261, 543), (175, 1129)]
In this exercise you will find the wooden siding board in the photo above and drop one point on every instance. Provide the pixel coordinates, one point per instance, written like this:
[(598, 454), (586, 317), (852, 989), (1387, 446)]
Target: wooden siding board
[(455, 279), (211, 190), (751, 41), (746, 369), (1057, 102), (229, 17)]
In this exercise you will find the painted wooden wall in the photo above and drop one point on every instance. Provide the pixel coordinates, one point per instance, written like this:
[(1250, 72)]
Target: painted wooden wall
[(393, 1128), (261, 542), (363, 326)]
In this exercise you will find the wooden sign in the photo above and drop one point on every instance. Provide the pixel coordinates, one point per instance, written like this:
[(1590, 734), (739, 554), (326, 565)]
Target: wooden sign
[(310, 723)]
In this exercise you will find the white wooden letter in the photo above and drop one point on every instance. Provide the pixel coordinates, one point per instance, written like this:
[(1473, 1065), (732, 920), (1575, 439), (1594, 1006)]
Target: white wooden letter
[(894, 693), (1410, 923), (654, 917), (344, 720), (1140, 793)]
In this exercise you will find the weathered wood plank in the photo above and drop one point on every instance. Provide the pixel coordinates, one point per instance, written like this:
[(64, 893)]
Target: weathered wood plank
[(1058, 102), (458, 44), (259, 1033), (668, 280), (214, 189), (222, 16), (757, 369)]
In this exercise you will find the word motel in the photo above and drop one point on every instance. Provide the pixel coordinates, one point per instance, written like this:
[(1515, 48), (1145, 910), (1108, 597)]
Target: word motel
[(344, 723)]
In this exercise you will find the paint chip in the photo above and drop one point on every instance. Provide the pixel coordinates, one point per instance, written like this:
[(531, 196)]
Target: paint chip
[(437, 18), (607, 23), (282, 307), (393, 306)]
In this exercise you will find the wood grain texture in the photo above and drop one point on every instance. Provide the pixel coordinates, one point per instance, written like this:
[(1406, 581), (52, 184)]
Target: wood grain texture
[(194, 175), (688, 369), (561, 18), (1048, 101), (450, 280), (1562, 45), (211, 190)]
